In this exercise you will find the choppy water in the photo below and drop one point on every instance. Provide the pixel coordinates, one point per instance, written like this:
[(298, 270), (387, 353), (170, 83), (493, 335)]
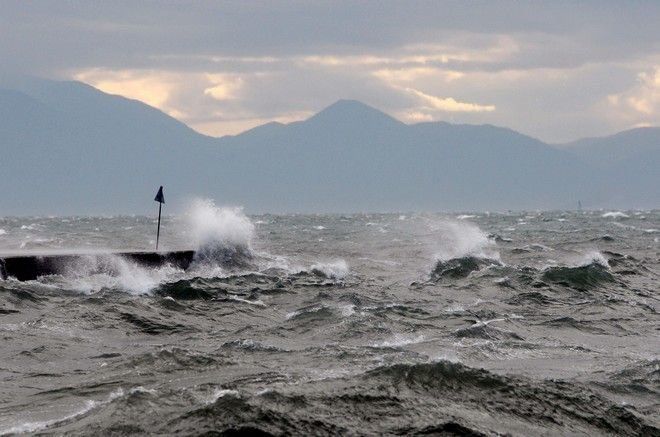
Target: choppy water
[(525, 324)]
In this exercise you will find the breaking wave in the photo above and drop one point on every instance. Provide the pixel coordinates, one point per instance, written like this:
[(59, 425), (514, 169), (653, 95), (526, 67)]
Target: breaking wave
[(223, 236), (93, 273), (590, 273), (89, 405), (462, 249), (331, 270), (462, 239), (460, 267), (615, 214), (223, 246)]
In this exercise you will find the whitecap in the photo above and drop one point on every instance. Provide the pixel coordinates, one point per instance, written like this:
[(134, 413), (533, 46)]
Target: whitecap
[(455, 309), (296, 313), (615, 214), (347, 310), (220, 393), (89, 405), (92, 273), (461, 239), (399, 340), (332, 270), (250, 302)]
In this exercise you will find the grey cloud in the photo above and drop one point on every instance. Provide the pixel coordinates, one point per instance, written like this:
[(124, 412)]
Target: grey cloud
[(599, 46), (52, 35)]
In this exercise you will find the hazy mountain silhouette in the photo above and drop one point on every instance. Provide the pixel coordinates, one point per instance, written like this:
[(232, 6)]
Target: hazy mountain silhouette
[(628, 163), (606, 152), (69, 148)]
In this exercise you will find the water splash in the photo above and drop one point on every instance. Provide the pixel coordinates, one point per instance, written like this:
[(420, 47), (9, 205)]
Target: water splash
[(462, 239), (222, 236), (332, 270)]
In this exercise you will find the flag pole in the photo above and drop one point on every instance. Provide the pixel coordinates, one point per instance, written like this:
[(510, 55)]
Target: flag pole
[(160, 206), (160, 199)]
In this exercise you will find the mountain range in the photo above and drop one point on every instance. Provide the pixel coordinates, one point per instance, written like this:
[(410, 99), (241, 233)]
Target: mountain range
[(68, 148)]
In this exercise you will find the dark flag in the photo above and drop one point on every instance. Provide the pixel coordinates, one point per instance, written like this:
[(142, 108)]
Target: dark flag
[(160, 199), (159, 196)]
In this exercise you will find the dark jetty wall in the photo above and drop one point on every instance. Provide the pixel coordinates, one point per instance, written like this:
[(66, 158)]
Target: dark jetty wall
[(25, 268)]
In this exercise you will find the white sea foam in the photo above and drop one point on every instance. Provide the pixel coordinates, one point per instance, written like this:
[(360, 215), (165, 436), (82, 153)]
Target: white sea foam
[(89, 405), (92, 273), (585, 259), (332, 270), (615, 214), (220, 393), (399, 340), (140, 389), (446, 356), (311, 310), (2, 232), (593, 257), (347, 310), (258, 303), (538, 247), (218, 234)]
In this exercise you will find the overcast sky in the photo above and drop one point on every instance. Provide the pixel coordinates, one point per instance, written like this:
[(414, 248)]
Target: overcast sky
[(555, 70)]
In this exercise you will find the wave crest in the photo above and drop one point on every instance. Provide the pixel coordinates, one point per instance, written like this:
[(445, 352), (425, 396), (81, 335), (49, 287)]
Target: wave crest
[(331, 270), (223, 236), (460, 267), (589, 274)]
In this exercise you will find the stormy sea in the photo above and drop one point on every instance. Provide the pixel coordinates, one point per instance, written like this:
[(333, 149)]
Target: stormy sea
[(521, 323)]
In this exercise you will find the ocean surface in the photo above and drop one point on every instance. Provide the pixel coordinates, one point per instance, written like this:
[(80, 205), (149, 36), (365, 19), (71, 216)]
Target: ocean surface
[(533, 323)]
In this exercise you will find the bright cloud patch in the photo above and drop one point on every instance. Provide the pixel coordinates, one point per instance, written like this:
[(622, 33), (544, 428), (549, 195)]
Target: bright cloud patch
[(196, 98), (416, 116), (449, 104), (225, 87), (151, 87), (394, 76), (641, 104)]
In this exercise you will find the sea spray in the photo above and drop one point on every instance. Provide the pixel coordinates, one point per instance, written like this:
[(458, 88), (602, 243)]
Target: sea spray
[(92, 273), (222, 235), (312, 344), (222, 238), (462, 239), (332, 270), (461, 248)]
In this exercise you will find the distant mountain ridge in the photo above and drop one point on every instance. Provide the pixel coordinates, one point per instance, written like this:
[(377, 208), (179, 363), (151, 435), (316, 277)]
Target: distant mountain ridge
[(635, 143), (69, 148)]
